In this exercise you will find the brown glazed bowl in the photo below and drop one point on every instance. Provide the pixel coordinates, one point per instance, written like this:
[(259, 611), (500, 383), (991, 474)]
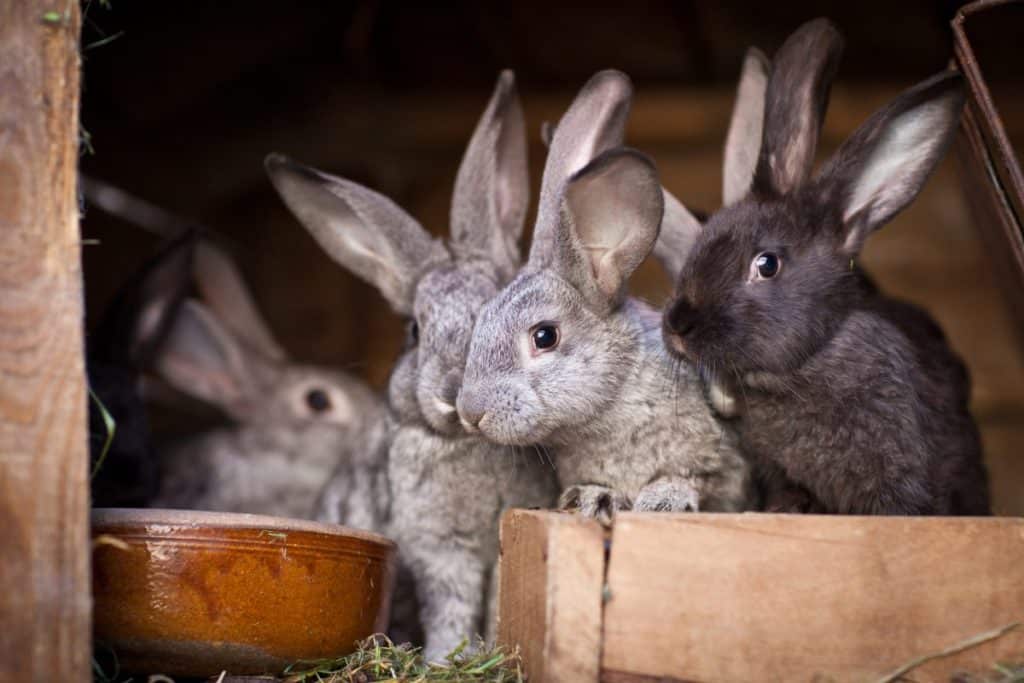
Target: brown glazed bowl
[(191, 593)]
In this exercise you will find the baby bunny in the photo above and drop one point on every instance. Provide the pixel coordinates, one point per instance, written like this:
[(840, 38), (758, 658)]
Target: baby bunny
[(564, 359), (448, 488), (848, 401), (295, 427)]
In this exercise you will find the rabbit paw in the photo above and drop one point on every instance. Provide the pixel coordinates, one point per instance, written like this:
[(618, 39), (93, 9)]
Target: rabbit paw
[(667, 495), (597, 502)]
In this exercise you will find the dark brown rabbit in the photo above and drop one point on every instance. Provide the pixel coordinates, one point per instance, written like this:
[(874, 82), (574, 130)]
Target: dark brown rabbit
[(848, 401)]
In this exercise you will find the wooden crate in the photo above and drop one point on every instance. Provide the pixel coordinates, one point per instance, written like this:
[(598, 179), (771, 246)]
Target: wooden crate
[(759, 597)]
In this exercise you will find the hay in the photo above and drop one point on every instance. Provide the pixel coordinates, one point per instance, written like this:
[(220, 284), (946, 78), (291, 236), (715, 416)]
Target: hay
[(378, 659)]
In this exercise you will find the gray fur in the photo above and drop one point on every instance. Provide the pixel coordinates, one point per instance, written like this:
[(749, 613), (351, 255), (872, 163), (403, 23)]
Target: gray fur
[(622, 420), (849, 402), (679, 227), (743, 141), (448, 488), (594, 123)]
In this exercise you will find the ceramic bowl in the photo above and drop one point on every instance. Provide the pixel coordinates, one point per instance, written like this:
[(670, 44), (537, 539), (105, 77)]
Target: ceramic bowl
[(191, 593)]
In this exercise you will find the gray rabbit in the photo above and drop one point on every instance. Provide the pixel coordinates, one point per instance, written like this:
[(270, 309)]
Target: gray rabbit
[(850, 402), (295, 426), (448, 488), (563, 358)]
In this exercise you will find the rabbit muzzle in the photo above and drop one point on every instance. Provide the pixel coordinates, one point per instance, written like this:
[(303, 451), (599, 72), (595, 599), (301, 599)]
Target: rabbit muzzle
[(679, 321)]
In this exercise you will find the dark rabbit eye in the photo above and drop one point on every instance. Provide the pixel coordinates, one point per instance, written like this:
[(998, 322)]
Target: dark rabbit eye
[(318, 400), (414, 333), (767, 265), (545, 337)]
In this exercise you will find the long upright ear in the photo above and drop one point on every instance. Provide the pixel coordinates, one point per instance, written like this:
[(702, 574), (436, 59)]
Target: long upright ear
[(743, 141), (679, 232), (795, 104), (202, 359), (610, 215), (885, 163), (135, 323), (223, 289), (163, 287), (492, 188), (594, 123), (360, 229)]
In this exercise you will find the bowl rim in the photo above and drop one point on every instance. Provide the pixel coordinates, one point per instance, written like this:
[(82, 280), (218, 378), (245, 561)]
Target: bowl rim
[(228, 520)]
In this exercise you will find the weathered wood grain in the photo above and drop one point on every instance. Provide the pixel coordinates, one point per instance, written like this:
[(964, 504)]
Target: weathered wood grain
[(552, 571), (44, 570), (794, 597)]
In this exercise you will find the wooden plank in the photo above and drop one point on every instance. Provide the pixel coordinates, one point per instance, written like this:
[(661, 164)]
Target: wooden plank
[(552, 573), (44, 570), (774, 597)]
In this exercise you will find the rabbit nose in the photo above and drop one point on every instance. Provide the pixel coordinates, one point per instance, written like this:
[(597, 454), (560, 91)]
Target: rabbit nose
[(681, 317), (470, 413)]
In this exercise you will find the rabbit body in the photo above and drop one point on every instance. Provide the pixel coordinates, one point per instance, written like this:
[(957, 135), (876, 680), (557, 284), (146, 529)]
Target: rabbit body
[(450, 542), (626, 426), (876, 386), (848, 401), (447, 488)]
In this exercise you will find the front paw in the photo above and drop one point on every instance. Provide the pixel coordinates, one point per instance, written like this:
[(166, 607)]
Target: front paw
[(667, 496), (597, 502)]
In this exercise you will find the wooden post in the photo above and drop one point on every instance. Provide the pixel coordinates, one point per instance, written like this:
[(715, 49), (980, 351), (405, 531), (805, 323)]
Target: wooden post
[(552, 570), (44, 561)]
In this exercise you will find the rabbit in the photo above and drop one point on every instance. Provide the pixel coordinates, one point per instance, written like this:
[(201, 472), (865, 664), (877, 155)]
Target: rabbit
[(294, 428), (448, 487), (847, 401), (118, 351), (563, 359)]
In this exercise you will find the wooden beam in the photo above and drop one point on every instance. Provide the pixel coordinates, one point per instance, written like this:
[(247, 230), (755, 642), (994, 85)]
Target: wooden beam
[(44, 565), (552, 570)]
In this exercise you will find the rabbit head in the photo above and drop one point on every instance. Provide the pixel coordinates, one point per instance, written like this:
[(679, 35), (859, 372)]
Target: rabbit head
[(548, 353), (222, 352), (770, 278), (439, 287), (206, 359)]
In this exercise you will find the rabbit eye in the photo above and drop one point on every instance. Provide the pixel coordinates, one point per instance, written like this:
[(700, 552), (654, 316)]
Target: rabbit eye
[(318, 400), (413, 333), (767, 265), (545, 337)]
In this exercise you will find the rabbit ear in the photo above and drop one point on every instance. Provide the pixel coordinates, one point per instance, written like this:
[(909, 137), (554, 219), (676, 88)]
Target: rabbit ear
[(595, 122), (795, 105), (223, 289), (492, 188), (743, 141), (679, 232), (611, 212), (360, 229), (163, 287), (885, 163), (134, 325), (202, 359)]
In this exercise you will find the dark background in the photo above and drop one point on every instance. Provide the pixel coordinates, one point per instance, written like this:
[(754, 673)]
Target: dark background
[(182, 107)]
